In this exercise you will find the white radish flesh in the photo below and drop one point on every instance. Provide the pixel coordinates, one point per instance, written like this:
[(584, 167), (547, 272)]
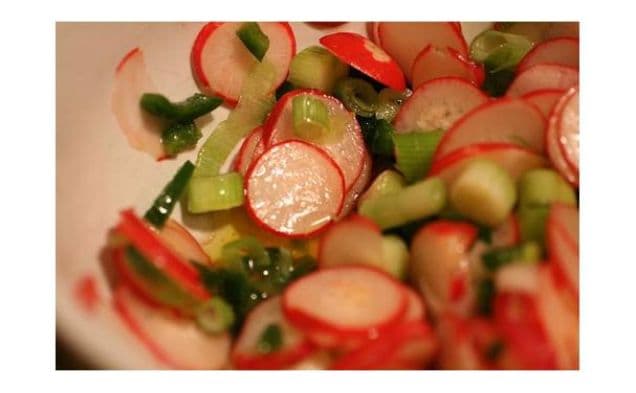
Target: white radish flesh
[(438, 104), (568, 129), (543, 76), (502, 121), (142, 131), (182, 242), (404, 40), (562, 233), (178, 343), (563, 51), (433, 62), (294, 189), (356, 240), (555, 153), (544, 100), (251, 149), (358, 186)]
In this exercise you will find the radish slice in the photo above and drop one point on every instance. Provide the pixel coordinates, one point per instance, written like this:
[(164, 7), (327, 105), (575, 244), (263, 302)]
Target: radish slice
[(246, 355), (543, 76), (294, 189), (433, 62), (372, 32), (346, 302), (365, 56), (347, 150), (183, 243), (553, 145), (514, 159), (221, 62), (251, 149), (438, 103), (404, 40), (358, 187), (501, 121), (464, 342), (562, 234), (544, 100), (175, 342), (507, 234), (438, 256), (517, 319), (410, 345), (568, 129), (142, 131), (416, 310), (560, 319), (517, 277), (356, 240), (563, 51)]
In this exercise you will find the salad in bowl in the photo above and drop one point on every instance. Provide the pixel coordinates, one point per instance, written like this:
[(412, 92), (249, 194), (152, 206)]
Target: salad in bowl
[(387, 195)]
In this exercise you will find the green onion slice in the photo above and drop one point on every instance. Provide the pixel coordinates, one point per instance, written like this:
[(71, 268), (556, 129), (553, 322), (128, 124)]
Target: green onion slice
[(180, 137), (188, 110), (389, 102), (414, 152), (271, 340), (215, 316), (254, 39), (310, 117), (357, 95), (212, 193), (164, 203), (499, 51)]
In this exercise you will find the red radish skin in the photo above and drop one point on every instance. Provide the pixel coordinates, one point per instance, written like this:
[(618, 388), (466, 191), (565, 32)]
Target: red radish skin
[(404, 40), (507, 234), (218, 53), (354, 240), (348, 150), (438, 257), (181, 241), (325, 25), (433, 62), (87, 294), (150, 245), (501, 121), (294, 190), (562, 234), (142, 131), (372, 32), (438, 103), (177, 343), (553, 145), (410, 345), (562, 51), (543, 76), (517, 318), (365, 56), (358, 186), (245, 353), (544, 100), (416, 310), (345, 303), (251, 149), (568, 129), (464, 342), (514, 159)]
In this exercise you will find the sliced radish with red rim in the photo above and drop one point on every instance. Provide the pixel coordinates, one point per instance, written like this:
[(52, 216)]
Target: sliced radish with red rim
[(181, 241), (365, 56), (562, 51), (221, 62), (358, 186), (251, 149), (544, 100), (553, 144), (562, 236), (404, 40), (294, 189), (543, 76), (372, 31), (515, 159), (500, 121), (345, 302), (345, 145), (177, 343), (438, 103), (568, 129), (142, 131), (246, 354), (433, 62), (416, 310), (507, 234), (355, 240)]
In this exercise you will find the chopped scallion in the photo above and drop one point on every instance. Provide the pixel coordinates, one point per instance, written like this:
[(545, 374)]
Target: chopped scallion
[(164, 203), (254, 39)]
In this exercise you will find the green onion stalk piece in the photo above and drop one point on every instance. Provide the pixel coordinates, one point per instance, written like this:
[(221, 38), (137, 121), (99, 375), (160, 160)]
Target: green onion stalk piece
[(499, 51), (185, 111), (310, 118), (213, 193), (414, 152), (389, 103), (357, 95), (316, 68), (215, 316), (271, 340), (254, 39), (164, 203), (180, 137), (529, 252)]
